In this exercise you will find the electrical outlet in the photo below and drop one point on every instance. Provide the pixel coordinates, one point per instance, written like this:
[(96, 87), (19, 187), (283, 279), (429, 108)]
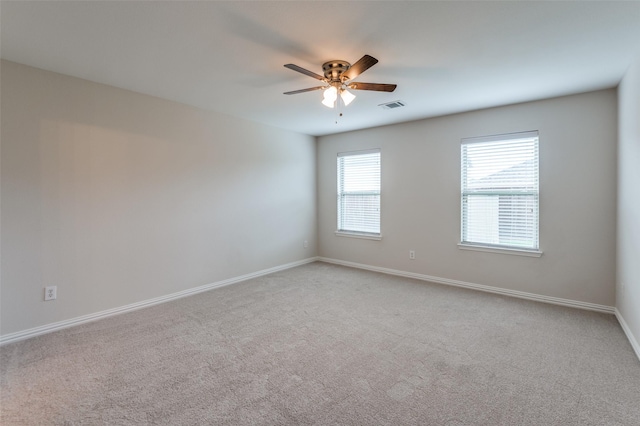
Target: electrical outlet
[(51, 292), (412, 254), (305, 244)]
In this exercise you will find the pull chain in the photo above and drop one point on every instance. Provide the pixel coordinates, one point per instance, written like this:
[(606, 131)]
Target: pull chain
[(338, 106)]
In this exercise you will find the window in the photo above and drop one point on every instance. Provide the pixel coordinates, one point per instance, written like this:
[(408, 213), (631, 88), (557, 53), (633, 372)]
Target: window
[(359, 193), (500, 191)]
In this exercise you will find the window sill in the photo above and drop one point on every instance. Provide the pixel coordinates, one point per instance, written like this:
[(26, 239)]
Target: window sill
[(501, 250), (363, 236)]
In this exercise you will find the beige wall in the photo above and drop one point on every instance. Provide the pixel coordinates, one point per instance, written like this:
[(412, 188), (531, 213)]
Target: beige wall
[(421, 198), (628, 296), (117, 197)]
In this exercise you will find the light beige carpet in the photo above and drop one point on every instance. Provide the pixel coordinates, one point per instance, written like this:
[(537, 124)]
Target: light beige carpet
[(324, 344)]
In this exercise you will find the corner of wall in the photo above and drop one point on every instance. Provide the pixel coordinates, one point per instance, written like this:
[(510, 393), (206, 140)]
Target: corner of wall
[(628, 206)]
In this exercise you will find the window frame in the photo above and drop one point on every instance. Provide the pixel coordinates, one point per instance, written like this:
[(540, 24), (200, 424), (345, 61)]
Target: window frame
[(492, 247), (340, 196)]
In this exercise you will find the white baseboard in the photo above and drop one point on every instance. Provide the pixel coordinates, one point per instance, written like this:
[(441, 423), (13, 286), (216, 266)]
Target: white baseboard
[(481, 287), (49, 328), (629, 334)]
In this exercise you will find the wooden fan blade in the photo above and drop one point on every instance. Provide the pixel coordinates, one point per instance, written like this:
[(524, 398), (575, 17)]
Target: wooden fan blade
[(304, 71), (359, 67), (305, 90), (373, 86)]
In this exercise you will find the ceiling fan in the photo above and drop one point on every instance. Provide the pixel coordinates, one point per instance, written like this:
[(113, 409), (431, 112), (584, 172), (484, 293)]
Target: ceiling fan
[(338, 76)]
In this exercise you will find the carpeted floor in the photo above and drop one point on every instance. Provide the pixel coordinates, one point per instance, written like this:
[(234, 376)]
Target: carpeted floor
[(324, 344)]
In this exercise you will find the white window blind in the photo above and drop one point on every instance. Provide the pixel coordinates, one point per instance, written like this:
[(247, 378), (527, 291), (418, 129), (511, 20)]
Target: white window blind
[(500, 191), (359, 192)]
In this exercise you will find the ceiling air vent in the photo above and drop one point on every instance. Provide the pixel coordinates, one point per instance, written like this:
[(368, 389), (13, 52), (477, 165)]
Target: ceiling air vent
[(392, 105)]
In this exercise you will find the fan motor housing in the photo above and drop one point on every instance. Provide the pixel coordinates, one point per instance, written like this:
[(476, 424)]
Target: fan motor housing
[(334, 69)]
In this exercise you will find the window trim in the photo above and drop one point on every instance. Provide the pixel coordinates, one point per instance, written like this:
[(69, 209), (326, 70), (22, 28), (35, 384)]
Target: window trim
[(497, 248), (361, 235)]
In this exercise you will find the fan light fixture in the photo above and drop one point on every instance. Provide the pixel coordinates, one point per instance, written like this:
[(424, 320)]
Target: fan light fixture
[(331, 96), (339, 75), (347, 96)]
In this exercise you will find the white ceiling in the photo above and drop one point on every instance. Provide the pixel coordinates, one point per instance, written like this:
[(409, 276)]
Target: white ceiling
[(445, 57)]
